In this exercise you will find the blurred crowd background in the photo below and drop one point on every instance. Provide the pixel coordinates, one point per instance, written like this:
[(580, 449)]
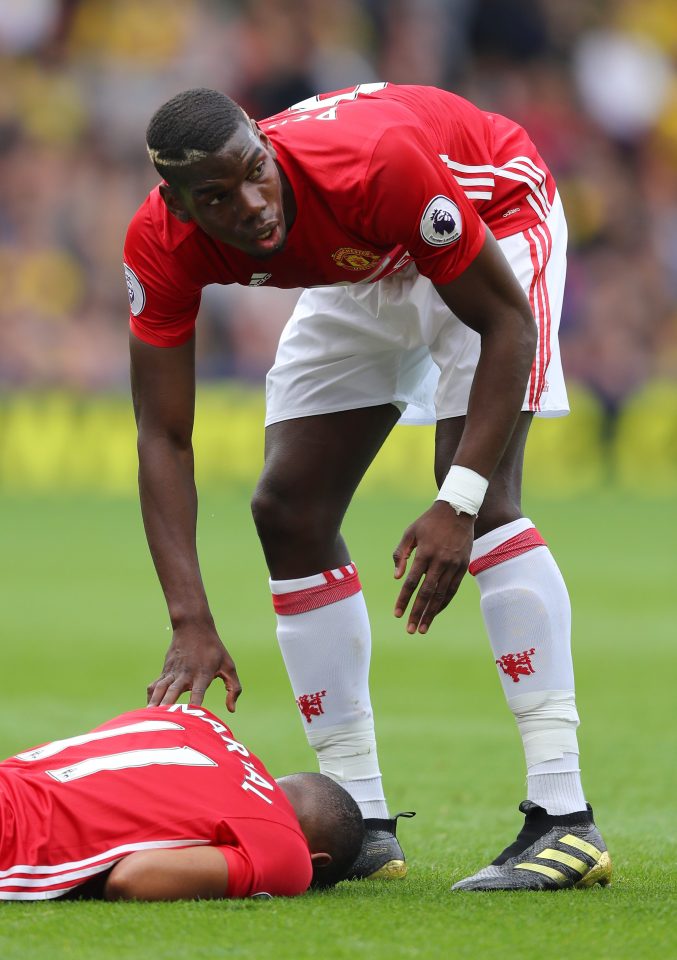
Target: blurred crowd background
[(593, 81)]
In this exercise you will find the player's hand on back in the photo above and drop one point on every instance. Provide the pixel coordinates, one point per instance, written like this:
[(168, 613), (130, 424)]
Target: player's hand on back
[(442, 541), (196, 656)]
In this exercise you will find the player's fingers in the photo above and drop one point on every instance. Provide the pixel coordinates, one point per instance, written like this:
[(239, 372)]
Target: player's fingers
[(449, 595), (180, 684), (198, 690), (402, 552), (432, 598), (233, 686), (427, 596), (157, 689), (231, 698), (410, 584)]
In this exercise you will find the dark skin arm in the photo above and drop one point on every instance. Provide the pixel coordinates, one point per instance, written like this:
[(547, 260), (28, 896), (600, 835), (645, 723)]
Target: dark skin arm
[(163, 392), (488, 299)]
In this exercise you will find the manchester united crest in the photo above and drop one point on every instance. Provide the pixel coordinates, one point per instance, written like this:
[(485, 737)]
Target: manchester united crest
[(351, 259)]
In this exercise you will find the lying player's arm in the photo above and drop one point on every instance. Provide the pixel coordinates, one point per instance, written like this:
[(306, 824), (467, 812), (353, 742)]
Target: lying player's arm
[(163, 392), (488, 298), (189, 873)]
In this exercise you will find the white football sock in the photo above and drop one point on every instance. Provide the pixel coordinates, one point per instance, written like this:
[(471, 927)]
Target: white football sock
[(325, 638), (527, 615), (368, 795), (555, 785)]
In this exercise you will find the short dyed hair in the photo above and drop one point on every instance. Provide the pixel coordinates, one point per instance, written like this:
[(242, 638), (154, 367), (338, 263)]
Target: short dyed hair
[(189, 127)]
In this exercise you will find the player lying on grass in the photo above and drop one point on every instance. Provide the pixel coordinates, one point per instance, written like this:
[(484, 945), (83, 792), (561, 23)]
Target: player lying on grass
[(433, 240), (165, 804)]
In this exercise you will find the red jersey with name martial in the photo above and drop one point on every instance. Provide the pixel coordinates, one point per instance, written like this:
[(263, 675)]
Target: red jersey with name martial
[(154, 778), (382, 175)]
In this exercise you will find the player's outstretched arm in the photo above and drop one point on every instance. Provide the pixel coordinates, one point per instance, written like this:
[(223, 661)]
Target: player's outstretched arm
[(487, 298), (163, 392), (190, 873)]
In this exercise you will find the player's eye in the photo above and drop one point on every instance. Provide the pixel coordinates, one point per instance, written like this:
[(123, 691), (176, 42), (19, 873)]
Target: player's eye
[(257, 171), (215, 201)]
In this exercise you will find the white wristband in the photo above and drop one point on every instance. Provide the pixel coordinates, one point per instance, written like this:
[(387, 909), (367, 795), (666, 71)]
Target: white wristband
[(464, 490)]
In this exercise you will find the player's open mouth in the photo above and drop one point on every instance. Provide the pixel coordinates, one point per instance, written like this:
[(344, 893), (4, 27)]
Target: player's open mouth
[(268, 239)]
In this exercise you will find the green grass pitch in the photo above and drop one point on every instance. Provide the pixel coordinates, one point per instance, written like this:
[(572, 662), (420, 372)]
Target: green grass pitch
[(84, 629)]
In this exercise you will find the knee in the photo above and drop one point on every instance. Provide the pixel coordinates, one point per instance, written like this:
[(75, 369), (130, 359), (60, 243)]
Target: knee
[(271, 511), (291, 515)]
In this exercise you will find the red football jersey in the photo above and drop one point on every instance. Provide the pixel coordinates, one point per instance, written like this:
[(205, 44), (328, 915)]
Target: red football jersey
[(152, 778), (382, 175)]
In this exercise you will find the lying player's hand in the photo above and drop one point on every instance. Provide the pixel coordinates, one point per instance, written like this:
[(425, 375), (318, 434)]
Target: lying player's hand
[(195, 657), (442, 540)]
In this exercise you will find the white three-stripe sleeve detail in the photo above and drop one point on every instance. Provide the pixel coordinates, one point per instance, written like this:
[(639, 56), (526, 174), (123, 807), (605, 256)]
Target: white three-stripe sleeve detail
[(475, 181), (528, 162), (520, 169), (465, 167), (533, 172), (536, 206), (105, 855), (63, 879), (517, 175)]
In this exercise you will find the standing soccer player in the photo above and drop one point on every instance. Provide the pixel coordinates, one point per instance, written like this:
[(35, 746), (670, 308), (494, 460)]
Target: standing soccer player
[(432, 240)]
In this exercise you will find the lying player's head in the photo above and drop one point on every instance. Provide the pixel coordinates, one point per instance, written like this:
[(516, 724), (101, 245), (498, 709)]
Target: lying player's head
[(331, 821), (219, 171)]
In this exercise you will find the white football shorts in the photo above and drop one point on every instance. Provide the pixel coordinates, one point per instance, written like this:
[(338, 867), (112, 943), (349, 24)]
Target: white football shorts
[(395, 341)]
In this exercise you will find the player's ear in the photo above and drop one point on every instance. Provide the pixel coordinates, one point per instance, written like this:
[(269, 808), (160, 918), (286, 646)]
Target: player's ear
[(265, 141), (321, 874), (174, 203)]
